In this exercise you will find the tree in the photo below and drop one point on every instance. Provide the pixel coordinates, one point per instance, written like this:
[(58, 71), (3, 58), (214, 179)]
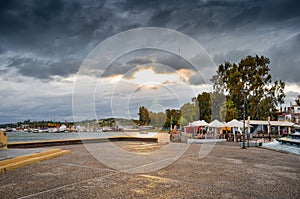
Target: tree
[(157, 119), (217, 100), (144, 117), (103, 122), (188, 113), (173, 114), (261, 96), (204, 103), (228, 111), (297, 100)]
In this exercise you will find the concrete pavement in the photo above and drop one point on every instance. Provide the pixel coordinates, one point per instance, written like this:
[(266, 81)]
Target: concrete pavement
[(226, 172)]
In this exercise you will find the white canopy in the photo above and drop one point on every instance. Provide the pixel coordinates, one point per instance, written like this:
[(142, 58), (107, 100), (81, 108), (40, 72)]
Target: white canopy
[(235, 123), (282, 123), (272, 123), (199, 123), (216, 123)]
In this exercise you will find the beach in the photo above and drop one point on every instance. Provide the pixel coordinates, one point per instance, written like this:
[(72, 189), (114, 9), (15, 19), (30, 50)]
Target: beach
[(226, 172)]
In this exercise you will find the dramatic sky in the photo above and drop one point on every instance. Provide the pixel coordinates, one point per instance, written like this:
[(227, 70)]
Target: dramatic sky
[(43, 45)]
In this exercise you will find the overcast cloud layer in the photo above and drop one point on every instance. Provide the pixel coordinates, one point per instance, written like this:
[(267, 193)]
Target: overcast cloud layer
[(43, 43)]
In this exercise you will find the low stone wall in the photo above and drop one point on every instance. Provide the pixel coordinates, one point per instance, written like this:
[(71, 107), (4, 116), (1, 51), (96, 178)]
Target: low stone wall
[(163, 137), (203, 141), (250, 144), (47, 143)]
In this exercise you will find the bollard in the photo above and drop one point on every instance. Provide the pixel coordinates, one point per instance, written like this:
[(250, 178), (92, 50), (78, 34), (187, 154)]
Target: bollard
[(3, 140)]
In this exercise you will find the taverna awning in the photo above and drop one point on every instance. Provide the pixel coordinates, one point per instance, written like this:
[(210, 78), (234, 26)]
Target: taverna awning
[(272, 123), (236, 123), (199, 123), (216, 123), (282, 123)]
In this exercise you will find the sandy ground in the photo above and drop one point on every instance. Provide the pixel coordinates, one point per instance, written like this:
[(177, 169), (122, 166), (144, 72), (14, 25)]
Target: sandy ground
[(226, 172)]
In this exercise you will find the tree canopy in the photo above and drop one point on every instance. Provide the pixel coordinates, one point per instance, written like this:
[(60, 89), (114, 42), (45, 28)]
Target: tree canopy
[(144, 116), (174, 115), (297, 100), (250, 77), (204, 103), (157, 119), (189, 113)]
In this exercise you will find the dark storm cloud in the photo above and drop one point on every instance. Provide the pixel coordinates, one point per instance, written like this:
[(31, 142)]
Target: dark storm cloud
[(124, 64), (285, 59), (145, 57), (161, 18), (50, 27), (233, 56), (196, 79), (57, 28), (174, 61), (167, 64), (196, 17), (1, 50), (46, 38), (139, 61), (44, 69)]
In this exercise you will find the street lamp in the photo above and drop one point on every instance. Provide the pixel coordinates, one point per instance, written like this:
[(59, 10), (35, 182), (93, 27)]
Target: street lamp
[(245, 90)]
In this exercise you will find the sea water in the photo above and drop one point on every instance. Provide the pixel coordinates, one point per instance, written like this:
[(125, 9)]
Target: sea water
[(275, 145), (31, 137)]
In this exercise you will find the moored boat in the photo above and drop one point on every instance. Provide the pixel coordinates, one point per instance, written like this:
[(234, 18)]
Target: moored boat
[(291, 139)]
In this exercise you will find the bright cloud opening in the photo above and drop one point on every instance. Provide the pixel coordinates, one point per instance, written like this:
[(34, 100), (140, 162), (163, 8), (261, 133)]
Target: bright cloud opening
[(150, 78)]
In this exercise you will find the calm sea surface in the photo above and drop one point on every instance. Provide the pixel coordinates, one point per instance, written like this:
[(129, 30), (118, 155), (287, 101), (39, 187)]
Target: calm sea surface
[(28, 137)]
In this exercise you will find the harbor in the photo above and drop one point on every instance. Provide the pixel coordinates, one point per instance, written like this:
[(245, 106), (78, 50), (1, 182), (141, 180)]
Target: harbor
[(149, 99)]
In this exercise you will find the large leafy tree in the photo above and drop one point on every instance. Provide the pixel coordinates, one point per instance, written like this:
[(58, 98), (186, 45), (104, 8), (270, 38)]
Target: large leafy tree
[(217, 101), (297, 100), (204, 103), (157, 119), (144, 116), (174, 116), (262, 96), (228, 111), (189, 113)]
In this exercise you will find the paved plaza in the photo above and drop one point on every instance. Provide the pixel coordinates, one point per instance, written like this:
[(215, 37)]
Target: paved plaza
[(226, 172)]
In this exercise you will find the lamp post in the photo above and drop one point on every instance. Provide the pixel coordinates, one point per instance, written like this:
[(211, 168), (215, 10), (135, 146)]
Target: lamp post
[(244, 116), (248, 129)]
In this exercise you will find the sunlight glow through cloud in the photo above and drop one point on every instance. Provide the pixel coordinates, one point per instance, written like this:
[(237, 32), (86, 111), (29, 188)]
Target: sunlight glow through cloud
[(143, 76)]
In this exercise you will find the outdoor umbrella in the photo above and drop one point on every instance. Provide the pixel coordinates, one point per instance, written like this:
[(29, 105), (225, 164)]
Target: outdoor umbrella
[(235, 123), (216, 124), (199, 123)]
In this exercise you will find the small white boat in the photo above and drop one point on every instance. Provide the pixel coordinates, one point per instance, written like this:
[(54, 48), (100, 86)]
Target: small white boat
[(35, 130), (291, 139), (53, 130), (62, 128)]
